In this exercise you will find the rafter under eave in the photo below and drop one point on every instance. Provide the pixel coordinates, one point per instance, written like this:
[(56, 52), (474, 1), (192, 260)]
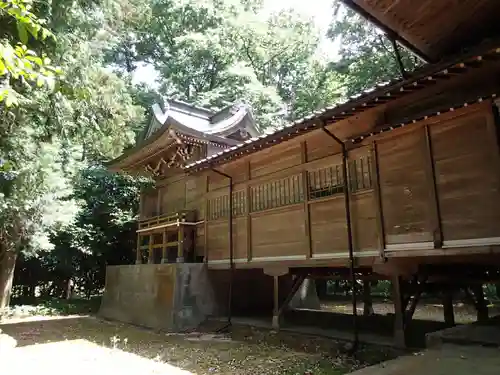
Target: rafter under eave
[(391, 33)]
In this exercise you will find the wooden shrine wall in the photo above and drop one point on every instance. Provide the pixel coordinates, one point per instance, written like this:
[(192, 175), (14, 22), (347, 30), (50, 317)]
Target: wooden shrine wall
[(433, 184), (429, 185)]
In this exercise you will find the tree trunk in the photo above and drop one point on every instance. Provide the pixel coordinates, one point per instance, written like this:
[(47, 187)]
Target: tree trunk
[(67, 292), (306, 297), (367, 299), (7, 266)]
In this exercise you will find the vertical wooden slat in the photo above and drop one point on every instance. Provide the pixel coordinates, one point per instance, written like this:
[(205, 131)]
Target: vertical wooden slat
[(430, 173), (138, 257), (492, 123), (141, 204), (370, 171), (379, 215), (158, 202), (362, 171), (249, 204), (303, 152), (164, 246), (207, 213), (180, 244), (150, 250), (307, 217)]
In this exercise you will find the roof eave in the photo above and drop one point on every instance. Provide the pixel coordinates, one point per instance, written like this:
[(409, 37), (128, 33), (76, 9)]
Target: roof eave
[(345, 110)]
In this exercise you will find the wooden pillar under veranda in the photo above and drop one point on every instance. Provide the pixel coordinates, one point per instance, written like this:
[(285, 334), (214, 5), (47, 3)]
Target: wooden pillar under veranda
[(399, 311), (138, 255), (276, 304)]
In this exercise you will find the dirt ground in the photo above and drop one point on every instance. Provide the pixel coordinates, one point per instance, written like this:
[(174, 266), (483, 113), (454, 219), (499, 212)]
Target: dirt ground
[(90, 345), (449, 359)]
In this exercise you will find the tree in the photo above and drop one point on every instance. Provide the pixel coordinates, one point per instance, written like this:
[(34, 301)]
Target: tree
[(213, 53), (367, 55), (89, 115)]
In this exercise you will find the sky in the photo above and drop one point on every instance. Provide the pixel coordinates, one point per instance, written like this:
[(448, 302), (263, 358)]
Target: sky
[(319, 10)]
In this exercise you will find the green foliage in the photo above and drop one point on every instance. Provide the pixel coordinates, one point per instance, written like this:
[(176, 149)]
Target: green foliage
[(214, 53), (367, 55), (20, 65), (102, 233)]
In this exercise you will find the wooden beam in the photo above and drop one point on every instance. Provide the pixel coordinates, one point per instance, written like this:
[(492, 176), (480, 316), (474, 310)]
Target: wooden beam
[(158, 201), (164, 257), (276, 317), (430, 171), (205, 224), (399, 324), (386, 29), (379, 215), (180, 245), (248, 222), (297, 282), (307, 215), (138, 257), (150, 252)]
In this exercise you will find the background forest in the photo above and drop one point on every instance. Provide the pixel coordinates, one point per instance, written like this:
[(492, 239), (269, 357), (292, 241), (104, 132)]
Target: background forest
[(69, 103)]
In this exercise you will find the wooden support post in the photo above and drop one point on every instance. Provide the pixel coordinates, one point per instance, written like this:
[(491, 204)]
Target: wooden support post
[(399, 310), (481, 306), (138, 257), (248, 218), (276, 314), (164, 257), (449, 315), (205, 224), (150, 250), (180, 244), (436, 223), (367, 298), (378, 201)]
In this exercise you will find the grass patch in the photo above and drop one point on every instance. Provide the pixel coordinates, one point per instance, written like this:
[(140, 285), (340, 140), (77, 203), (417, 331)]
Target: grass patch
[(50, 307)]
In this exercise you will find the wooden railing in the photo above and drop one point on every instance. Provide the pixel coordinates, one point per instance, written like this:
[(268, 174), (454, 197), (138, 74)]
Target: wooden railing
[(156, 221)]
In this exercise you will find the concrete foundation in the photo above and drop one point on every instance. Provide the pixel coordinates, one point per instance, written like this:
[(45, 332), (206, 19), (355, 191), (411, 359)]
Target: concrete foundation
[(172, 297), (253, 291)]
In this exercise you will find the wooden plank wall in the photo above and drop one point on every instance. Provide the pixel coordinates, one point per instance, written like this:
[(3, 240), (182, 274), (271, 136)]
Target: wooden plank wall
[(465, 155), (429, 185), (440, 182)]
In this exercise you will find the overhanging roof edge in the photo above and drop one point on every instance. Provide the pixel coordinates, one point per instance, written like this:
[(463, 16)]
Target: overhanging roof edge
[(345, 108)]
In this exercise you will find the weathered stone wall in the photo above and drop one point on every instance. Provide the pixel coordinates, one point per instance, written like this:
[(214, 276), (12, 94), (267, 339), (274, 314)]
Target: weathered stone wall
[(194, 298), (172, 297), (176, 297)]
